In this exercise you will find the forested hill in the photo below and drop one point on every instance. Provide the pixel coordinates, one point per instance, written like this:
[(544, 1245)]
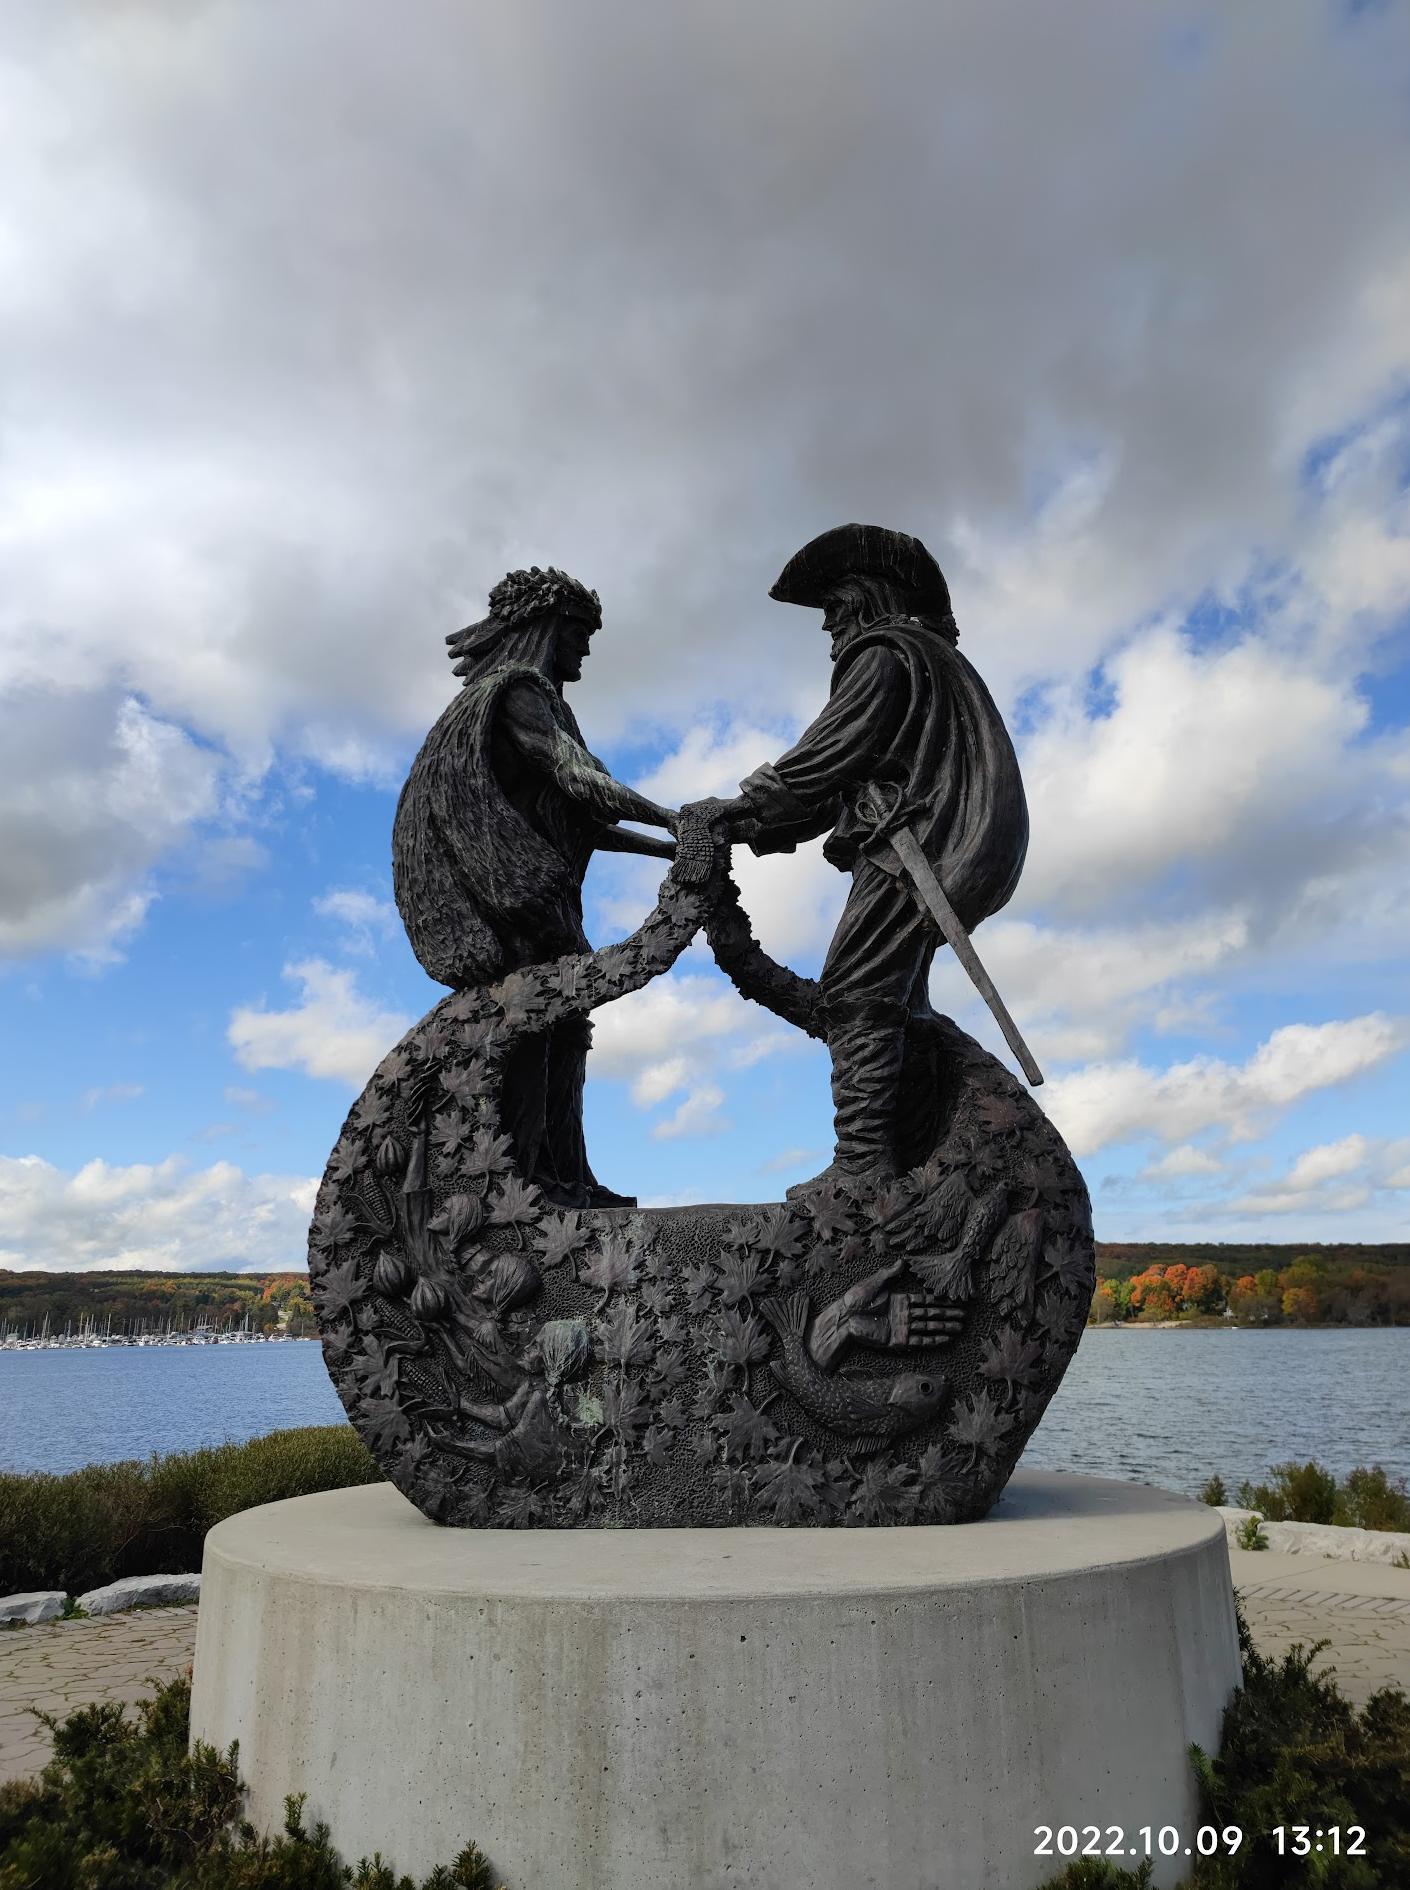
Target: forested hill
[(1305, 1285), (1365, 1284), (145, 1302), (1118, 1260)]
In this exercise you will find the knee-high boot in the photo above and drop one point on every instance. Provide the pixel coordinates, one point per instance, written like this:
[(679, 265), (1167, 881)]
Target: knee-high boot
[(867, 1041)]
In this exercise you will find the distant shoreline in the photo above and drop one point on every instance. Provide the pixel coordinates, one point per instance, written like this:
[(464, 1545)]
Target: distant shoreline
[(1236, 1325), (164, 1342)]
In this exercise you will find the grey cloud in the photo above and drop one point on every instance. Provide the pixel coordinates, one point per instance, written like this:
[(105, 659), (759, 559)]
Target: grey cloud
[(94, 791), (343, 313)]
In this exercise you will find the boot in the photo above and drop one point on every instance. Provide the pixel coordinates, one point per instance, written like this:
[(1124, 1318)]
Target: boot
[(867, 1041)]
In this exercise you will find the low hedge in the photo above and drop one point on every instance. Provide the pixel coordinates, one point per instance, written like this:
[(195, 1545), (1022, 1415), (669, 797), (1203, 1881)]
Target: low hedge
[(95, 1525), (122, 1805), (1294, 1751)]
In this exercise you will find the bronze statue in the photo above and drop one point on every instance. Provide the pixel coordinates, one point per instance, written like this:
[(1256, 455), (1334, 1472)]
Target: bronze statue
[(500, 815), (909, 740), (516, 1345)]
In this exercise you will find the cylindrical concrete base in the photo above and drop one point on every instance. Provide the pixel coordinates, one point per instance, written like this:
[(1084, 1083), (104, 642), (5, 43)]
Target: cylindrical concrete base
[(702, 1709)]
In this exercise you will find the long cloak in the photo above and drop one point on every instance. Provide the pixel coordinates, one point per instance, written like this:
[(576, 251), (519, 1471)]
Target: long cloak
[(487, 881), (907, 711)]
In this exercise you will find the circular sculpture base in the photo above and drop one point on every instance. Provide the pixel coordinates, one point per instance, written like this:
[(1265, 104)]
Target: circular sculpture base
[(653, 1709)]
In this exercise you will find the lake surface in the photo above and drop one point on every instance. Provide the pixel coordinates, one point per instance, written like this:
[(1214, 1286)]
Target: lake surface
[(1157, 1407)]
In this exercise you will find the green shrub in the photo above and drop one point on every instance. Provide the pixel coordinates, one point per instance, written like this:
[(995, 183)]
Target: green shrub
[(1305, 1492), (122, 1805), (1298, 1492), (1249, 1534), (1214, 1492), (1372, 1500), (95, 1525), (1294, 1751), (1099, 1873)]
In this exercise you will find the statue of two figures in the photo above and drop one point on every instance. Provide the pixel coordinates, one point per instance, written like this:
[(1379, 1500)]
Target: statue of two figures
[(521, 1346)]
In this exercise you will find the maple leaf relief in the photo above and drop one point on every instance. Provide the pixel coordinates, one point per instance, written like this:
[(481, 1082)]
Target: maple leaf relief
[(885, 1493), (383, 1423), (1014, 1361), (514, 1202), (625, 1411), (466, 1083), (559, 1237), (487, 1155), (450, 1131), (338, 1289), (778, 1235), (831, 1212), (623, 1339), (614, 1266), (334, 1228), (345, 1162), (980, 1426), (791, 1490), (740, 1340), (747, 1427), (740, 1276)]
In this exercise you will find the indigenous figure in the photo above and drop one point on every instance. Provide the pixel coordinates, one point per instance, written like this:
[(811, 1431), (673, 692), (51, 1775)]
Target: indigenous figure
[(502, 811), (910, 742)]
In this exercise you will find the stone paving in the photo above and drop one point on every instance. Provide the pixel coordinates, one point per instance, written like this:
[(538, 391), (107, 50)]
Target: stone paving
[(66, 1664), (1362, 1608)]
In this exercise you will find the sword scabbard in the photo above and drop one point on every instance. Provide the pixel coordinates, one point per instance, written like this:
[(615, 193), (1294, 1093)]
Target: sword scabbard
[(922, 876)]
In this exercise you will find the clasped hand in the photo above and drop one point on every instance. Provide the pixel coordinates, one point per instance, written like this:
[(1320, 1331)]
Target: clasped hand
[(728, 820)]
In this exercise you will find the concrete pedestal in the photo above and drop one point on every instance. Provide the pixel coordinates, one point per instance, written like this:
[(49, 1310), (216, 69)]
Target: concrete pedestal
[(760, 1709)]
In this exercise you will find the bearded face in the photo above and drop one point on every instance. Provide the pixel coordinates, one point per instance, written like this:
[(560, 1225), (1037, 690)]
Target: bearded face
[(842, 617), (853, 606)]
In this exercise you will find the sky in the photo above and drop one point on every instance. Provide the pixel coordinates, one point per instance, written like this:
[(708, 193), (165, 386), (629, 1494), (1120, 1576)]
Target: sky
[(314, 321)]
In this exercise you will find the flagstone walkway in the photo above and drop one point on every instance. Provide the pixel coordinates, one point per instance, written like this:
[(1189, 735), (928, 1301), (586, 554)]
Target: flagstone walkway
[(65, 1664), (1361, 1608)]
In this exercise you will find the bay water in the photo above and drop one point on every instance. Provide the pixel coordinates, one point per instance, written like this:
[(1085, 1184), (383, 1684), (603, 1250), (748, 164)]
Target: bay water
[(1164, 1407)]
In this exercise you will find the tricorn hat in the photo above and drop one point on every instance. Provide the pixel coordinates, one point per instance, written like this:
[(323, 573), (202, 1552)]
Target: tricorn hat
[(872, 551)]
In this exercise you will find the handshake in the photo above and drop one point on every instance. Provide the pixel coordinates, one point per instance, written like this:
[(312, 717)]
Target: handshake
[(702, 829)]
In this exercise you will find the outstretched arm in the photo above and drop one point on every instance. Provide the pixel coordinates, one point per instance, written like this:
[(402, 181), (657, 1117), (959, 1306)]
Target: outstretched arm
[(539, 742), (801, 794), (624, 840)]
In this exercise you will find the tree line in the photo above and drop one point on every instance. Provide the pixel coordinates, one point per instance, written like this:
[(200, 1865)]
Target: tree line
[(1365, 1286), (145, 1302)]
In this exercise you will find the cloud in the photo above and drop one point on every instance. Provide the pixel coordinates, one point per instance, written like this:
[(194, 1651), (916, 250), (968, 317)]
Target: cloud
[(94, 791), (1081, 991), (365, 918), (161, 1215), (632, 302), (698, 1114), (1181, 1162), (788, 1161), (1331, 1180), (247, 1098), (333, 1031), (113, 1093), (658, 305), (1316, 1165), (1109, 1103), (677, 1034), (1238, 770)]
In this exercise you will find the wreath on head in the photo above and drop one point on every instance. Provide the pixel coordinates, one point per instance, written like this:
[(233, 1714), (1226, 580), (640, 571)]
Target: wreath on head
[(522, 595)]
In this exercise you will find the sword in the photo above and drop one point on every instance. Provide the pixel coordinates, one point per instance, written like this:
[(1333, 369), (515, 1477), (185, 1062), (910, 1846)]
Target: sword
[(907, 849)]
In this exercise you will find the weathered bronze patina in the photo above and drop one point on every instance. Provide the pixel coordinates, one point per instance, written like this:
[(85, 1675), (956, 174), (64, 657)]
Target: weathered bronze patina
[(519, 1346)]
